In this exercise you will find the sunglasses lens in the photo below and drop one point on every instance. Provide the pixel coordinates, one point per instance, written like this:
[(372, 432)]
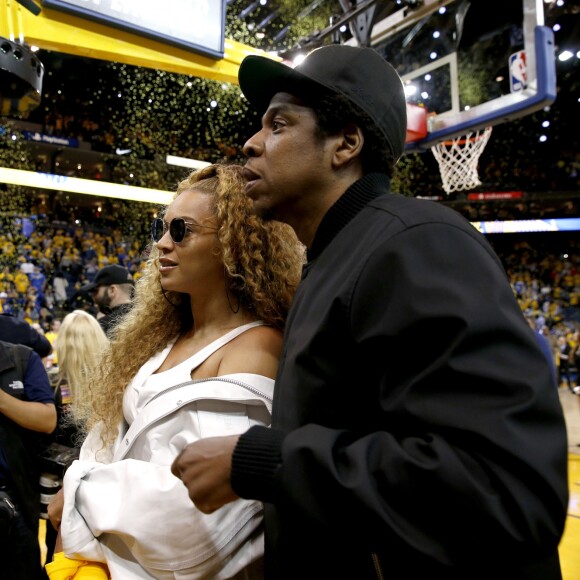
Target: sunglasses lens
[(157, 229), (177, 230)]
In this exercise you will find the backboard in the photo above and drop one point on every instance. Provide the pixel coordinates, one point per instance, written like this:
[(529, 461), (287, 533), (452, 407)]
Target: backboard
[(470, 64)]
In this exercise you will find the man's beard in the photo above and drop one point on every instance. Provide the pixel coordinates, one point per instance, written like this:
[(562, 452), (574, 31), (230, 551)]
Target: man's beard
[(104, 303)]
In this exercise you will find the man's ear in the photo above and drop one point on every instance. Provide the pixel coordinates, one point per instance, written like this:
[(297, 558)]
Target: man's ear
[(349, 145)]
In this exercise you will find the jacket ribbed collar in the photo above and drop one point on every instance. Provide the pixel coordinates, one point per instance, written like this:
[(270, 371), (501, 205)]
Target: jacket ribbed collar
[(347, 207)]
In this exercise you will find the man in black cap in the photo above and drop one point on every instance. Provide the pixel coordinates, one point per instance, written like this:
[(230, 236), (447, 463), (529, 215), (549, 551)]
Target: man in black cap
[(416, 430), (112, 292)]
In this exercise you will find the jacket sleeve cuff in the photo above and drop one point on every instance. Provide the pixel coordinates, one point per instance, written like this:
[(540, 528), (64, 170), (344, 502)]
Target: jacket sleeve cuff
[(257, 456)]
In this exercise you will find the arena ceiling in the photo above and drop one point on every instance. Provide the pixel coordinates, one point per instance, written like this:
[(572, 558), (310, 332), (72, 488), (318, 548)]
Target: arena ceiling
[(282, 26), (287, 25)]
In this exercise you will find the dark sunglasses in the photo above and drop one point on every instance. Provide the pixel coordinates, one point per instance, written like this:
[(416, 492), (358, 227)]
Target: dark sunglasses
[(177, 227)]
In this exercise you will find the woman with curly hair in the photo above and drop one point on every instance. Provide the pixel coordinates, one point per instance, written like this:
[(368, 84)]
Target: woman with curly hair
[(195, 357)]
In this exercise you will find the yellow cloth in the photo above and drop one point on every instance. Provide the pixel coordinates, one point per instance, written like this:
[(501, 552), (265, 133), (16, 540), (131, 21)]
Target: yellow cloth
[(63, 568)]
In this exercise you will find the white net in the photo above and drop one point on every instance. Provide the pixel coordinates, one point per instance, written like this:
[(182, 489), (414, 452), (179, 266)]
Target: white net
[(458, 160)]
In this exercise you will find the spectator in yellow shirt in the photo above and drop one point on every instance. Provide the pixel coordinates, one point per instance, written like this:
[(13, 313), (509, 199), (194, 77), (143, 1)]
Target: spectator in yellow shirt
[(6, 280), (22, 282), (52, 334)]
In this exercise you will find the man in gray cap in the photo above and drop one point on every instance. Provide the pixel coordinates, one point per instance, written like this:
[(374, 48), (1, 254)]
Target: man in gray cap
[(416, 430), (112, 292)]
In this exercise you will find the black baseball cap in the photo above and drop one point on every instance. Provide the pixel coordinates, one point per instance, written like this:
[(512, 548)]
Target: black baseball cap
[(109, 275), (361, 74)]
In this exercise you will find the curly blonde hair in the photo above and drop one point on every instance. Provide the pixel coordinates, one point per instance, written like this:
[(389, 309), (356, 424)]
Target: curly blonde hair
[(263, 262)]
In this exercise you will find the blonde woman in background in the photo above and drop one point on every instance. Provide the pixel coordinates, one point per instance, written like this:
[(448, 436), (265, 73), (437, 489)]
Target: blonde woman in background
[(196, 356), (80, 342)]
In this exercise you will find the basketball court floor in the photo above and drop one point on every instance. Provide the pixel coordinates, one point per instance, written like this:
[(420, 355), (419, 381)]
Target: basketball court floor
[(569, 551), (569, 546)]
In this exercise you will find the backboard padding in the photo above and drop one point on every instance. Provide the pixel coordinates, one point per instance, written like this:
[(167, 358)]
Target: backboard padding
[(456, 56)]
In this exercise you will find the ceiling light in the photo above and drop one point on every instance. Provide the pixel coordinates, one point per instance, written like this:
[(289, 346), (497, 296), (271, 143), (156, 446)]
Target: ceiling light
[(86, 186), (185, 162)]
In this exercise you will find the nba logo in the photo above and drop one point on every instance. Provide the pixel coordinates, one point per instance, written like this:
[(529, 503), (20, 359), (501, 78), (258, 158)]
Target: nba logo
[(518, 74)]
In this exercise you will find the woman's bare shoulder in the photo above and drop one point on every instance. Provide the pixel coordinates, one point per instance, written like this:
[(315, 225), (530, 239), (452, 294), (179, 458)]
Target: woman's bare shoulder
[(255, 351)]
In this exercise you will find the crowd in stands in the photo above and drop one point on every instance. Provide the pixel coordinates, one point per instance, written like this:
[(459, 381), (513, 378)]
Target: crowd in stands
[(545, 277), (42, 272), (525, 209)]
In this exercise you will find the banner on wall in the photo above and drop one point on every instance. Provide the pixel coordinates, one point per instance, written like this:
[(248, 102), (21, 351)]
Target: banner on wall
[(523, 226)]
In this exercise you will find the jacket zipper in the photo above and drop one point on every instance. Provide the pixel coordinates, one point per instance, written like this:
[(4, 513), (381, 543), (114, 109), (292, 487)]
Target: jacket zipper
[(9, 503), (196, 381), (378, 567)]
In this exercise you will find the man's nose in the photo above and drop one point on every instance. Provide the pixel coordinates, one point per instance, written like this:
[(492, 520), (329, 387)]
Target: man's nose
[(251, 146)]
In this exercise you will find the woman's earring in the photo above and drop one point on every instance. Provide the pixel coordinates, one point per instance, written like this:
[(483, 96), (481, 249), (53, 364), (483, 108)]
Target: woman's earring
[(228, 297), (166, 298)]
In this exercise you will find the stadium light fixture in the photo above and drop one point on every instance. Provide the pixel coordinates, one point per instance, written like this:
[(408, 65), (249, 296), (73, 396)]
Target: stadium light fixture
[(85, 186), (185, 162)]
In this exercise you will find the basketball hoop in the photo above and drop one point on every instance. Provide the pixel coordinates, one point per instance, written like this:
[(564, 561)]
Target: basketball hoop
[(458, 160)]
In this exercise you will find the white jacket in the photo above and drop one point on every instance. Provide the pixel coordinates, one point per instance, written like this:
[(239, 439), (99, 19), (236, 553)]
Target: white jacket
[(124, 507)]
